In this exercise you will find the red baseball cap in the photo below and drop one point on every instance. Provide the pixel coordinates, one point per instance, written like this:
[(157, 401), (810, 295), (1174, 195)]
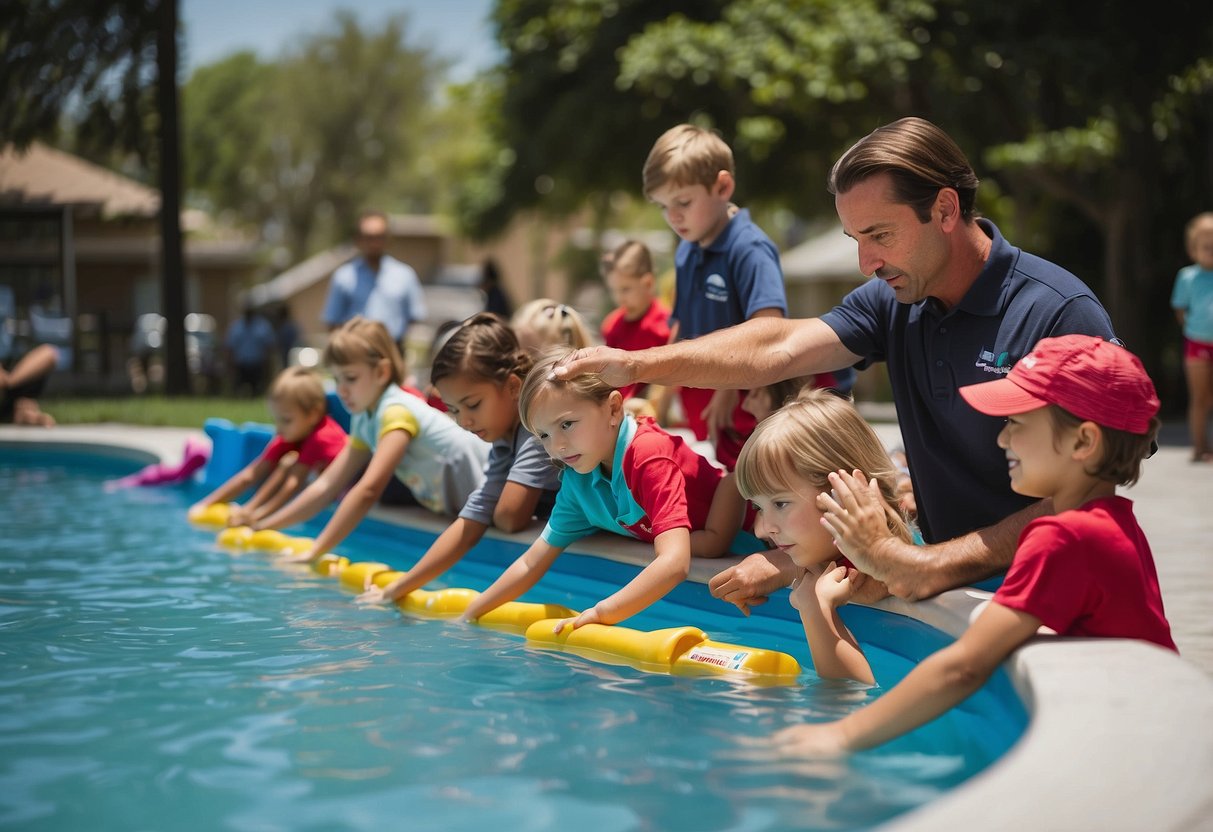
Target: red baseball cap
[(1094, 379)]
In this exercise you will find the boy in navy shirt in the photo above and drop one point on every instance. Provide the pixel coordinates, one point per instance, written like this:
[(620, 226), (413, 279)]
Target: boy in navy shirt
[(726, 269)]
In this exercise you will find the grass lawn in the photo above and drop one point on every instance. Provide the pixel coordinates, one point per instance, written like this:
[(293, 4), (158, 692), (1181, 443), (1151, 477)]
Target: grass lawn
[(184, 412)]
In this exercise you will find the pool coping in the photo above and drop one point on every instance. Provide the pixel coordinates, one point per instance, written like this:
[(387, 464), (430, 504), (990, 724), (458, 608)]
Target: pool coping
[(1120, 735)]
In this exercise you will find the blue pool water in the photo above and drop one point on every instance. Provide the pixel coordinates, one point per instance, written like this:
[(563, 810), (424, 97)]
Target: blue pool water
[(151, 681)]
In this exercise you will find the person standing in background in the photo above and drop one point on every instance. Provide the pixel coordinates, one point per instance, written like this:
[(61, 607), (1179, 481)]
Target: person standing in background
[(375, 285), (1192, 300)]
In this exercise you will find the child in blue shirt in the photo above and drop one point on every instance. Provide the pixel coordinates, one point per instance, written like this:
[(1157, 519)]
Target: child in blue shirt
[(1192, 300), (726, 269)]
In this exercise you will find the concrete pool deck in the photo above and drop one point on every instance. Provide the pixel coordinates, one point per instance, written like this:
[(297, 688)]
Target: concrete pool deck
[(1121, 733)]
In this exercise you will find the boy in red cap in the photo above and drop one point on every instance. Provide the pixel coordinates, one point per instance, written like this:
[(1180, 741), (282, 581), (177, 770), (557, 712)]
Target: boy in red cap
[(1081, 416)]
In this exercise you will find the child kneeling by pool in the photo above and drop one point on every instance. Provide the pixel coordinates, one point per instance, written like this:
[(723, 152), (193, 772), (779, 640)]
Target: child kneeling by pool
[(623, 475), (1081, 416), (392, 433), (782, 469), (306, 441), (479, 372)]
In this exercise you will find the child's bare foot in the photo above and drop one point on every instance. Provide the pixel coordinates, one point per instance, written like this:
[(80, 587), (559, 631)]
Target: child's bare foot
[(1202, 456)]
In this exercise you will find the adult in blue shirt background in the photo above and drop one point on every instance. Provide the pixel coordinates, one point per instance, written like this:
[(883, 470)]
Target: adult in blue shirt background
[(952, 303), (374, 284)]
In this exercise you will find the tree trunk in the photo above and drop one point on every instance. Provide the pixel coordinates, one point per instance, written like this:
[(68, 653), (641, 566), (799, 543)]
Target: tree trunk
[(172, 269)]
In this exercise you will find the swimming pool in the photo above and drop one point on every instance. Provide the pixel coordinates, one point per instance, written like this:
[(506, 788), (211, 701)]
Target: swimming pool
[(150, 680)]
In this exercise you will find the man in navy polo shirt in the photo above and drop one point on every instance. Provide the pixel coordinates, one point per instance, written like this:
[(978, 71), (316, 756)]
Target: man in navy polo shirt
[(953, 303)]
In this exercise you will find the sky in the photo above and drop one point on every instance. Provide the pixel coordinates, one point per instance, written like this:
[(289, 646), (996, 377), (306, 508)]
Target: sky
[(455, 29)]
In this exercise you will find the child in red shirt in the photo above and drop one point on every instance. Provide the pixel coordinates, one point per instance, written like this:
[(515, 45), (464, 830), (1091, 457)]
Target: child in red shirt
[(622, 475), (641, 320), (1082, 415), (304, 429)]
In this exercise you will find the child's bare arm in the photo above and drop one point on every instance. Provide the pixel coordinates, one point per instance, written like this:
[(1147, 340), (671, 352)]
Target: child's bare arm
[(289, 481), (668, 569), (516, 506), (724, 521), (317, 495), (445, 552), (237, 484), (939, 682), (521, 575), (836, 653), (361, 496)]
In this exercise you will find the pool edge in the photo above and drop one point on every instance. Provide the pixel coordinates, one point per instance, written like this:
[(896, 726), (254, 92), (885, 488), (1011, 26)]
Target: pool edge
[(1120, 733)]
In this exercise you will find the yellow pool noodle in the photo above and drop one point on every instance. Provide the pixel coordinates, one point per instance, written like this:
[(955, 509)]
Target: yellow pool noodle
[(354, 576), (236, 537), (683, 650), (213, 516), (330, 565)]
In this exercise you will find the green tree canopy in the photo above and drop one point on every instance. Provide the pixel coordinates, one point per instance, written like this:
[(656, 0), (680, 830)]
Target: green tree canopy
[(301, 144)]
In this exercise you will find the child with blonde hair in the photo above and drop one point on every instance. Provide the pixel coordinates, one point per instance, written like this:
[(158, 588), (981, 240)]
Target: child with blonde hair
[(640, 320), (1192, 300), (1081, 416), (306, 441), (478, 371), (622, 475), (783, 468), (545, 323), (392, 433)]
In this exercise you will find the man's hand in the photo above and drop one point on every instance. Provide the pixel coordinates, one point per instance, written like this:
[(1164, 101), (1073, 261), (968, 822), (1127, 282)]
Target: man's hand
[(750, 582), (856, 515), (616, 367)]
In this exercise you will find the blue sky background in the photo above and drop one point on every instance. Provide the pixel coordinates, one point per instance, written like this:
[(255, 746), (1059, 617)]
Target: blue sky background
[(455, 29)]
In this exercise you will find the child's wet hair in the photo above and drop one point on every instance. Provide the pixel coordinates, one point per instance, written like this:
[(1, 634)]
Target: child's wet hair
[(588, 386), (363, 341), (817, 433), (299, 387), (483, 347)]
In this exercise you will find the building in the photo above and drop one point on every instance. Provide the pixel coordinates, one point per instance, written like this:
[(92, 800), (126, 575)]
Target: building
[(80, 247)]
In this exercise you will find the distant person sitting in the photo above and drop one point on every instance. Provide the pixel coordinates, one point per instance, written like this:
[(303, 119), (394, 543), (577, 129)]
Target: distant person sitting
[(22, 377), (495, 298), (250, 342), (375, 285)]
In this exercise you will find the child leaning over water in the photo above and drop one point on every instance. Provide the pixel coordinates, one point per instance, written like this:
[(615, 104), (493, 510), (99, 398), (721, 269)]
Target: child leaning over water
[(304, 430), (783, 468), (1081, 416), (622, 475), (392, 433), (479, 372)]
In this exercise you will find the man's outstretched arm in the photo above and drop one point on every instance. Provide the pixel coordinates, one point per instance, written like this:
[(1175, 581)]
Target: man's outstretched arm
[(752, 354)]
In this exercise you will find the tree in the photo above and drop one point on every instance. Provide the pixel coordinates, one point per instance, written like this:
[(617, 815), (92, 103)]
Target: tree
[(1094, 154), (97, 62), (301, 144)]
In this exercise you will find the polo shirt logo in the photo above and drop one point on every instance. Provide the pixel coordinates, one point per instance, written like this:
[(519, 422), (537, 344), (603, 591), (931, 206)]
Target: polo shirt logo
[(716, 289), (991, 362)]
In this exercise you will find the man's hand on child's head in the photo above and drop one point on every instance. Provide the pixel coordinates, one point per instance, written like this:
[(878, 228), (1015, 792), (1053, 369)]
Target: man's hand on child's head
[(615, 367), (854, 513)]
